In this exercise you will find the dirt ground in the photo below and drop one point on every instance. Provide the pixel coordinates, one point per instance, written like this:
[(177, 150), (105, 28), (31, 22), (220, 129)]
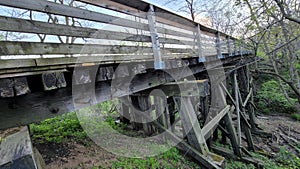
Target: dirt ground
[(75, 155), (285, 132)]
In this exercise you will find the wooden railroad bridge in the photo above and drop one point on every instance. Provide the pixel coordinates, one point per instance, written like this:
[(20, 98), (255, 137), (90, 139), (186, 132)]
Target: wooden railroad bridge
[(91, 51)]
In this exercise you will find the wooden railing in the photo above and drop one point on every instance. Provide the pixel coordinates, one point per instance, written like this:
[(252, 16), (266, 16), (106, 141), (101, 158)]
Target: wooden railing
[(101, 31)]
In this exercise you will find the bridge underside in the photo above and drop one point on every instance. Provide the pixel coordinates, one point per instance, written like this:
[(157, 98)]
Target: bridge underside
[(52, 93)]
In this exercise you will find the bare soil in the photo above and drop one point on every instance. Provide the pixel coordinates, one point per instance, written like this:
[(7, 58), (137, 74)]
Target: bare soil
[(285, 132), (75, 155)]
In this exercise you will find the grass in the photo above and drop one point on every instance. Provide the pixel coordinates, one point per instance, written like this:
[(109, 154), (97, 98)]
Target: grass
[(170, 159), (296, 116), (58, 129)]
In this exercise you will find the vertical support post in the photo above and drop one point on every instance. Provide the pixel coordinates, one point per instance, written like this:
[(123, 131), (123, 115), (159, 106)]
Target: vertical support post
[(160, 105), (229, 125), (248, 77), (158, 62), (124, 113), (199, 44), (252, 115), (237, 107), (218, 46), (136, 117), (242, 47), (229, 46), (235, 47), (249, 107)]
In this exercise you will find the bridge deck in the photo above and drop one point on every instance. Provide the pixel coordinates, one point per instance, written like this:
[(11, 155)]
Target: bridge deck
[(51, 36)]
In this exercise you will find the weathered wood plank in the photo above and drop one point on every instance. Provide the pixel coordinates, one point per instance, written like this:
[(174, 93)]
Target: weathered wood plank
[(247, 98), (207, 161), (132, 11), (36, 48), (158, 62), (53, 80), (186, 88), (21, 86), (6, 88), (17, 63), (160, 106), (64, 10), (30, 26), (124, 113), (6, 73), (11, 87), (16, 151), (191, 125), (55, 8), (214, 122), (116, 7), (98, 59), (237, 105)]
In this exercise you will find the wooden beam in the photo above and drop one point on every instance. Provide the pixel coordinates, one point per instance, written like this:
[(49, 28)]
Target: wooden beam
[(237, 102), (16, 151), (191, 125), (186, 88), (212, 161), (37, 48), (158, 62), (65, 10), (30, 26), (228, 154), (199, 44), (218, 45), (247, 98), (214, 122)]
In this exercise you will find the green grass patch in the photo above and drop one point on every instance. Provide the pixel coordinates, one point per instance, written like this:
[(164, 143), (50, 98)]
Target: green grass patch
[(168, 160), (58, 129), (296, 116)]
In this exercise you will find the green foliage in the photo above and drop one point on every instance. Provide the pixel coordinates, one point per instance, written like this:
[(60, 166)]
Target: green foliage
[(231, 164), (271, 99), (169, 159), (287, 159), (297, 65), (58, 129), (296, 116), (67, 127)]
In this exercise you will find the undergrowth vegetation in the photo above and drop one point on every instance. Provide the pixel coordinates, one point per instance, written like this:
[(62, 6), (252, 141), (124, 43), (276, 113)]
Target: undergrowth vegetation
[(168, 160), (67, 128), (58, 129), (270, 98)]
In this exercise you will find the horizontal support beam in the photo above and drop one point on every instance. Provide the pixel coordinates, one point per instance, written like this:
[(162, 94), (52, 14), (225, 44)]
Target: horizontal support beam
[(38, 27), (187, 88), (36, 48)]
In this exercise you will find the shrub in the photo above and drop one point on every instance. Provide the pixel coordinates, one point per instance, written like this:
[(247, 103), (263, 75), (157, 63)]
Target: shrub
[(271, 99), (296, 116)]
